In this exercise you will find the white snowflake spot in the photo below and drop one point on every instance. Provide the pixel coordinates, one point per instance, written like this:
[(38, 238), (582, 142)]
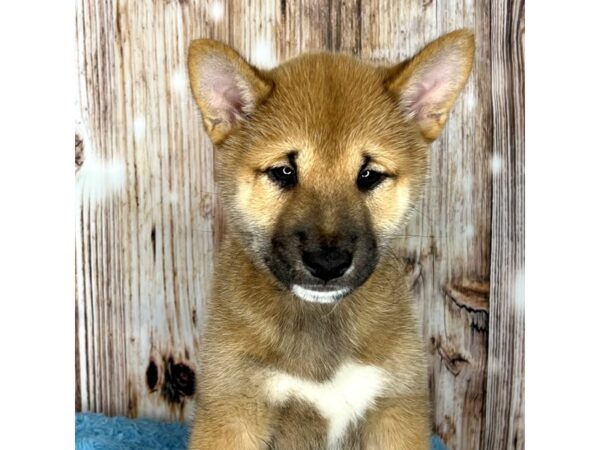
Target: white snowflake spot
[(496, 164), (520, 289), (139, 127), (263, 55), (470, 100), (216, 11), (467, 182), (98, 179), (178, 81), (172, 197), (469, 231)]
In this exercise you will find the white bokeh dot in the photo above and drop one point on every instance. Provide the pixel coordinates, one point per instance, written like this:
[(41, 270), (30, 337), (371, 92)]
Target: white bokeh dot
[(139, 127), (520, 289), (172, 197), (467, 182), (470, 100), (469, 231), (216, 10), (496, 164), (263, 55), (178, 81)]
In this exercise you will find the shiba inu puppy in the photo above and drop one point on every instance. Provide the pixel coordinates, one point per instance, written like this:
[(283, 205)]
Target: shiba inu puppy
[(310, 340)]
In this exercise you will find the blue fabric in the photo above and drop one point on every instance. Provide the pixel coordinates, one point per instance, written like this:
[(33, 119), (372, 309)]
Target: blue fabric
[(98, 432), (437, 444)]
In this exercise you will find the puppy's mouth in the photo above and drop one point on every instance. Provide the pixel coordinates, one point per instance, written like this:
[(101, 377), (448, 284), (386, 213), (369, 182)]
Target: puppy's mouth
[(320, 294)]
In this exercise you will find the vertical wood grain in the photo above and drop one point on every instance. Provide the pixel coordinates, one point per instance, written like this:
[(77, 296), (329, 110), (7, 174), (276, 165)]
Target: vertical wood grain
[(144, 248), (505, 383), (149, 219)]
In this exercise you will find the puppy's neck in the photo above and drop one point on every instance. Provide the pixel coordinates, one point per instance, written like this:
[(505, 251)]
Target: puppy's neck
[(254, 287)]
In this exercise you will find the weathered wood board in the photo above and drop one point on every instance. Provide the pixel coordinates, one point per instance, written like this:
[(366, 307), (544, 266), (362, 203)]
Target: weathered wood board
[(149, 221)]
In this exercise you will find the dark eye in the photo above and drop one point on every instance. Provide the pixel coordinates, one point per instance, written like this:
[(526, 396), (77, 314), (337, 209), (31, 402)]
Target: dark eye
[(368, 179), (283, 176)]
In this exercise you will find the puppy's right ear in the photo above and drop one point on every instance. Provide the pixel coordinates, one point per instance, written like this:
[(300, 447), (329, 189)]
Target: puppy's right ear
[(226, 88)]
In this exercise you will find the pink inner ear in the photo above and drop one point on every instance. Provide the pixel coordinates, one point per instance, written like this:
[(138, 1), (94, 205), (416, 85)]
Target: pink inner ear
[(431, 86), (224, 91)]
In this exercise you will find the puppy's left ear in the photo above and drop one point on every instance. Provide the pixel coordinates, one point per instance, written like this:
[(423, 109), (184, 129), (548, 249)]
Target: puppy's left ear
[(428, 84)]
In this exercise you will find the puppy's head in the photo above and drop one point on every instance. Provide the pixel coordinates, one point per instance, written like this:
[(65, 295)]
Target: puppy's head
[(320, 160)]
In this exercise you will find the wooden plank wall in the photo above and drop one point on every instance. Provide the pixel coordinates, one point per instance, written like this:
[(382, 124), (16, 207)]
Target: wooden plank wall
[(149, 221)]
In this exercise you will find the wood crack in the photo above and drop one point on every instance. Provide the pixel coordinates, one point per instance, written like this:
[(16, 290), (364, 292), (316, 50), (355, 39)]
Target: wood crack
[(471, 295)]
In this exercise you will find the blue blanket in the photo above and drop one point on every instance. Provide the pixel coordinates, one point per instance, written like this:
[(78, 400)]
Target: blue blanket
[(98, 432)]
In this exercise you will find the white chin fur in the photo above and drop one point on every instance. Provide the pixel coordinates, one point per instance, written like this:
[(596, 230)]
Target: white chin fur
[(318, 296)]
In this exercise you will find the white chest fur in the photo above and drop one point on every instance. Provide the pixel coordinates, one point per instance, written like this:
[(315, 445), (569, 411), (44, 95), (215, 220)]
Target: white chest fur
[(341, 401)]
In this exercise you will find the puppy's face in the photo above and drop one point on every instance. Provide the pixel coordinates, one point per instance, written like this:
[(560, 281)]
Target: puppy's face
[(321, 159)]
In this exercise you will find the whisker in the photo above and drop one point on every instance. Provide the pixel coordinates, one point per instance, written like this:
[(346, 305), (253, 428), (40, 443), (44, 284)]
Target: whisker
[(414, 235), (422, 213)]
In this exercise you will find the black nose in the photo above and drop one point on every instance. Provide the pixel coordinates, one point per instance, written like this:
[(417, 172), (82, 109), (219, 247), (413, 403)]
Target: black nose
[(327, 263)]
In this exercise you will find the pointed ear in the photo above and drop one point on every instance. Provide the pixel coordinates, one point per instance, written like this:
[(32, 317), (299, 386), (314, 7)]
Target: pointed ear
[(427, 85), (226, 88)]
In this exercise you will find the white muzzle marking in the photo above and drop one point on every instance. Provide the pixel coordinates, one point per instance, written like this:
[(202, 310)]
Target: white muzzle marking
[(318, 296)]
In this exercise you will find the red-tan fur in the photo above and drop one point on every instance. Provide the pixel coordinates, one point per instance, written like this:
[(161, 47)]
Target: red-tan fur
[(328, 108)]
